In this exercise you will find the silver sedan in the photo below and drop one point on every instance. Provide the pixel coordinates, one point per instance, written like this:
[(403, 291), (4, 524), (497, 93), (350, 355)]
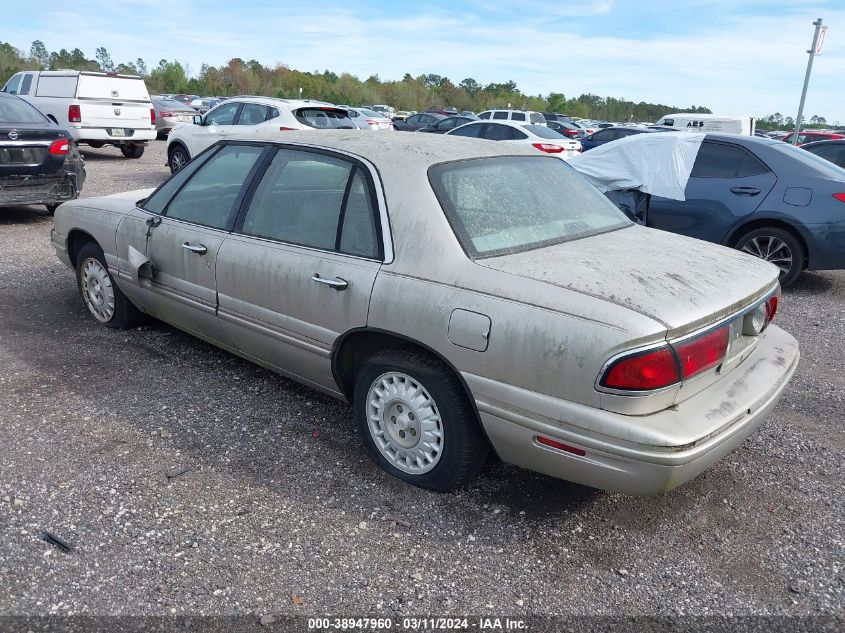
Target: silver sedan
[(464, 296)]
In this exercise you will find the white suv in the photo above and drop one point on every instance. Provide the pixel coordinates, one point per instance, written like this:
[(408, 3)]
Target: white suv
[(96, 108), (516, 116), (250, 118)]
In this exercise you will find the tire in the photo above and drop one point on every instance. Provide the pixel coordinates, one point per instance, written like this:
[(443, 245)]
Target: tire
[(177, 158), (51, 208), (95, 144), (420, 389), (132, 151), (91, 267), (778, 246)]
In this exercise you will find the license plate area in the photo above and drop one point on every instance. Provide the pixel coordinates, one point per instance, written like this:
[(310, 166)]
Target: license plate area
[(120, 132)]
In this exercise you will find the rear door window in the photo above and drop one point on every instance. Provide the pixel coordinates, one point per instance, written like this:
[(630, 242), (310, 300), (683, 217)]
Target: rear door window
[(252, 114), (500, 115), (314, 200), (500, 133), (722, 160), (517, 116), (26, 84)]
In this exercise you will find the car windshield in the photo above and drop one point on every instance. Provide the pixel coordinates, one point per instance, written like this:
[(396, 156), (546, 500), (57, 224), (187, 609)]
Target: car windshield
[(822, 165), (507, 204), (18, 111)]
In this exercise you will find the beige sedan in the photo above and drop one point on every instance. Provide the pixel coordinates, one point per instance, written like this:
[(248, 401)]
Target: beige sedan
[(464, 296)]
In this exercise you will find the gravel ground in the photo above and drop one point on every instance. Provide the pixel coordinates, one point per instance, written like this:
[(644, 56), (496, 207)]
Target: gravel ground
[(192, 482)]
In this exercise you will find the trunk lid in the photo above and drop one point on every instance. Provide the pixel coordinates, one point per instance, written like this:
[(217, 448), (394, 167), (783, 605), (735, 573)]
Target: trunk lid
[(682, 283), (28, 152)]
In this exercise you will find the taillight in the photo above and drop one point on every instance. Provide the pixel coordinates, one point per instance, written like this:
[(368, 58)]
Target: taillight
[(286, 129), (839, 196), (703, 352), (74, 114), (372, 122), (668, 364), (772, 307), (643, 371), (60, 147), (548, 148), (152, 116), (165, 114)]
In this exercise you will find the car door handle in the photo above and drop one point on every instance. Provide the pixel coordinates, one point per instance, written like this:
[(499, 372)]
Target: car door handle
[(745, 191), (337, 283), (199, 249)]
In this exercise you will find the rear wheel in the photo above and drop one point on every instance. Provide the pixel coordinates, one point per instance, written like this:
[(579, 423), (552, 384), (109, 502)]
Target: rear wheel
[(132, 151), (104, 300), (777, 246), (177, 158), (416, 422)]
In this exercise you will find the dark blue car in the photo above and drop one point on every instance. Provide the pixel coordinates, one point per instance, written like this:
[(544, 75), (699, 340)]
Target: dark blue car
[(608, 134), (764, 197)]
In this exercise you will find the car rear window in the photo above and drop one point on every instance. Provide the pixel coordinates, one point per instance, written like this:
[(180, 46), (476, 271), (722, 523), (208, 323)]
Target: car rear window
[(508, 204), (14, 110), (170, 103), (824, 168), (324, 118), (543, 132)]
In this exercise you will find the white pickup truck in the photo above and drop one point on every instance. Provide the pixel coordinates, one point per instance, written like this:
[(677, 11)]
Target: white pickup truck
[(96, 108)]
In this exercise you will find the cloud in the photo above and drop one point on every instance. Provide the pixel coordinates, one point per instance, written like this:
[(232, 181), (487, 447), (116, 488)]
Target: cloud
[(737, 57)]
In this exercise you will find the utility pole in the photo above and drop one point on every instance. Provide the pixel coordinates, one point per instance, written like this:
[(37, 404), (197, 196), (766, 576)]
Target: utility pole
[(818, 39)]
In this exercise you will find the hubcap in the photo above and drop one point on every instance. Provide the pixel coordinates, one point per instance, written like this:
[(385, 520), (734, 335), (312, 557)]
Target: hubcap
[(772, 249), (177, 161), (97, 290), (405, 423)]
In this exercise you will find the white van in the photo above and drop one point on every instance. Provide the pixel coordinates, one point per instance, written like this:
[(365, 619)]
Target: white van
[(96, 108), (710, 123)]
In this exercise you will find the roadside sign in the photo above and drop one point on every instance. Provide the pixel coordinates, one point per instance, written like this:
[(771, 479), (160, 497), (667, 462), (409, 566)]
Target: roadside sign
[(819, 44)]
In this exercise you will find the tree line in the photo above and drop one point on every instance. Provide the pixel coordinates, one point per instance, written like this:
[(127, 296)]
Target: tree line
[(239, 77)]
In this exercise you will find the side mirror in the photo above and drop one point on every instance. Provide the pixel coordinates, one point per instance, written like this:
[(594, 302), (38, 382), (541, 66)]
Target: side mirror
[(197, 119)]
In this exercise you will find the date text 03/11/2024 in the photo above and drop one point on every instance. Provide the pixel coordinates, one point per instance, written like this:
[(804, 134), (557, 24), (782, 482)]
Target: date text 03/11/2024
[(416, 624)]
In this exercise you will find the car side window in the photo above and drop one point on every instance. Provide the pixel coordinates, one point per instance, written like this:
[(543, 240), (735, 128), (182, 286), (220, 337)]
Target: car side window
[(517, 135), (412, 120), (314, 200), (208, 197), (272, 113), (252, 114), (26, 84), (499, 133), (517, 116), (484, 115), (603, 135), (473, 130), (500, 115), (157, 202), (721, 160), (447, 124), (224, 114)]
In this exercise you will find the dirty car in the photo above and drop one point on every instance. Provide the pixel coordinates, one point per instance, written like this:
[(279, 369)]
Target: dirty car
[(39, 162), (464, 296)]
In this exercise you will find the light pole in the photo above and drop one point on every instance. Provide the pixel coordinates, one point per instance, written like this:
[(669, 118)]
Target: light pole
[(818, 40)]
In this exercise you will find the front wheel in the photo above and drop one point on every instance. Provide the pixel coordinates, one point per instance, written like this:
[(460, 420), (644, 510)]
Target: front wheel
[(132, 151), (177, 158), (777, 246), (416, 422), (104, 300)]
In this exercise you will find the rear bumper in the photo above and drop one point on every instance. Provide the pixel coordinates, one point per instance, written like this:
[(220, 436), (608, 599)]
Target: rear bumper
[(39, 190), (97, 134), (739, 402)]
